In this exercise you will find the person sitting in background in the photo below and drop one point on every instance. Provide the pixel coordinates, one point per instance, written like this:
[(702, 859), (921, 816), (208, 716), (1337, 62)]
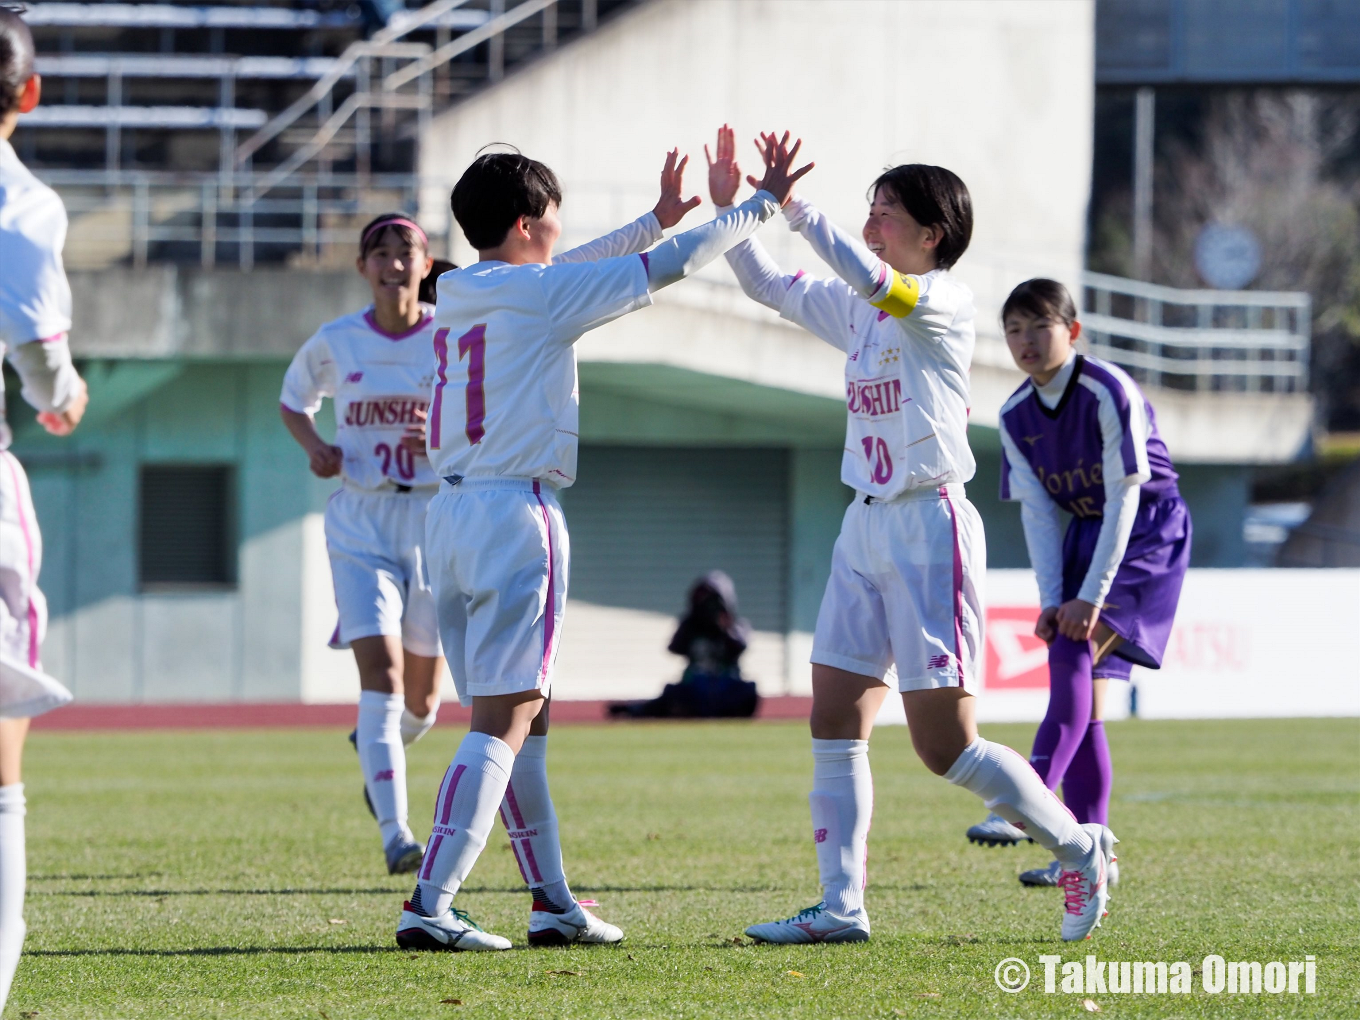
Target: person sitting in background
[(712, 637)]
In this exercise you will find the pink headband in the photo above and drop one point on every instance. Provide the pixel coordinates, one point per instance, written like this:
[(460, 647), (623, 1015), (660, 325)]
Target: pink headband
[(394, 221)]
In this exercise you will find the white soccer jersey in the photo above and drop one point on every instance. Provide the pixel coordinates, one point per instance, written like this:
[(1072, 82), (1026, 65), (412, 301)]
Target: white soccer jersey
[(35, 298), (378, 382), (505, 400), (906, 377)]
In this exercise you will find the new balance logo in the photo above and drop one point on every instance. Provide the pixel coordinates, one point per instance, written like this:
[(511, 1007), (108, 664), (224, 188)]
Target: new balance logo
[(819, 836), (937, 662), (354, 377), (385, 776)]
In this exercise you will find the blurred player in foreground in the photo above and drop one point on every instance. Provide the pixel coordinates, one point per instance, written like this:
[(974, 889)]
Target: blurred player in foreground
[(1080, 436), (907, 569), (35, 314), (503, 437), (375, 364)]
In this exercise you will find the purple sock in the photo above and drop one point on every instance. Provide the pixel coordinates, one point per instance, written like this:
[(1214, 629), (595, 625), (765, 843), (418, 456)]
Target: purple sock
[(1086, 788), (1069, 709)]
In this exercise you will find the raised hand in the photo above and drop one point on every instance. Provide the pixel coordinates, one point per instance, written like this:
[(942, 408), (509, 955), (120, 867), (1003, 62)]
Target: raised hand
[(778, 158), (671, 207), (724, 176), (414, 438)]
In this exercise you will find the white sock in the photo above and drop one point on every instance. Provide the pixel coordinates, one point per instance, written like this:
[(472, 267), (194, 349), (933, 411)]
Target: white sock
[(464, 812), (13, 874), (842, 801), (413, 727), (383, 760), (529, 818), (1012, 789)]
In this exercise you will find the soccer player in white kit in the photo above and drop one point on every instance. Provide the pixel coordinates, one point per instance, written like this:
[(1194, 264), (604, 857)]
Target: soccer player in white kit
[(903, 607), (375, 365), (35, 315), (503, 438)]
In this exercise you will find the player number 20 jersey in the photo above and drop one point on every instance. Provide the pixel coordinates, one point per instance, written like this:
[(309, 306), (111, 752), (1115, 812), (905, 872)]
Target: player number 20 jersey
[(378, 381)]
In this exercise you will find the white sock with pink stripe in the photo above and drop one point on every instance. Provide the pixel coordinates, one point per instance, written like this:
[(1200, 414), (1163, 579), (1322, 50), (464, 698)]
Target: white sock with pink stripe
[(842, 801), (1012, 789), (529, 818), (378, 738), (464, 813)]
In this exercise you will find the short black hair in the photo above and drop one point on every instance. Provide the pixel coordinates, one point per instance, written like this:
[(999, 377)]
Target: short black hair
[(935, 197), (16, 59), (496, 190), (1041, 298)]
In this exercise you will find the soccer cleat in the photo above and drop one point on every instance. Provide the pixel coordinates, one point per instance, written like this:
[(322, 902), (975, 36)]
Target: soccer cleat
[(403, 855), (1042, 876), (1086, 889), (577, 925), (453, 931), (815, 924), (354, 740), (996, 831), (1113, 873)]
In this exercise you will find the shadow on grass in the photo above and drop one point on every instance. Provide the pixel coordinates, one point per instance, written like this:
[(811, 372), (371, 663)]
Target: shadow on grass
[(381, 891), (218, 951)]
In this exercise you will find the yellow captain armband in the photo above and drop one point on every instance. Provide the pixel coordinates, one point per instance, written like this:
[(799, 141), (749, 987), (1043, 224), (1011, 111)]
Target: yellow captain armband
[(903, 293)]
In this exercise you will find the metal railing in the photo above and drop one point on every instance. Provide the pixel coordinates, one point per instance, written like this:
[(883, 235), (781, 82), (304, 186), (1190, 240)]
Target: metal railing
[(141, 217), (398, 67), (1200, 340)]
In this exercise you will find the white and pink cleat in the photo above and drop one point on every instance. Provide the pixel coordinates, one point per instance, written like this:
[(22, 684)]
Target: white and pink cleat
[(815, 924), (1086, 889)]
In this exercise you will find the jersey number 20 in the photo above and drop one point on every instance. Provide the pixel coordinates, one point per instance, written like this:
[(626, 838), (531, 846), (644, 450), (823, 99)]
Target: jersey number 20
[(471, 345)]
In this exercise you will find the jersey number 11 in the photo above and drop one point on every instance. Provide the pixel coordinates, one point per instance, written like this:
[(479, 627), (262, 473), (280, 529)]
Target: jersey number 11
[(471, 345)]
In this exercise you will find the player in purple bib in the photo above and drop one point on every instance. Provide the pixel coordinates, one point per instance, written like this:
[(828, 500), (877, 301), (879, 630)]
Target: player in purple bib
[(1080, 437)]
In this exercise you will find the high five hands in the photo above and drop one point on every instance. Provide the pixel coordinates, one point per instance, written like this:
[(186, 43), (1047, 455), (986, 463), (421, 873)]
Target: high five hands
[(670, 208), (724, 176)]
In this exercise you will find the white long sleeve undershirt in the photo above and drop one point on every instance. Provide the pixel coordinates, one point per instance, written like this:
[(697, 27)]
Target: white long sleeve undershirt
[(1042, 518), (684, 254), (50, 381), (629, 239)]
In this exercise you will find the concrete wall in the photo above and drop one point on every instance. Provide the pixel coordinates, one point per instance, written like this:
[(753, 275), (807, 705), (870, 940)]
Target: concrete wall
[(1000, 93)]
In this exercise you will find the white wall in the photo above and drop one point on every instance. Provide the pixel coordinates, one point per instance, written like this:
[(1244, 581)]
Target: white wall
[(999, 92)]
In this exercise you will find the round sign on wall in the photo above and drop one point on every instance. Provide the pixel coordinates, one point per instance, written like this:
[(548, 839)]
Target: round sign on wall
[(1227, 256)]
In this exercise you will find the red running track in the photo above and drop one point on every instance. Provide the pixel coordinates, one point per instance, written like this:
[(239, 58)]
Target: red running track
[(256, 715)]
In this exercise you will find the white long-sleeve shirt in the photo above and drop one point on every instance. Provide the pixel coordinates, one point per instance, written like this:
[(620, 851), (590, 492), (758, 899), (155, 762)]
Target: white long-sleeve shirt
[(908, 342)]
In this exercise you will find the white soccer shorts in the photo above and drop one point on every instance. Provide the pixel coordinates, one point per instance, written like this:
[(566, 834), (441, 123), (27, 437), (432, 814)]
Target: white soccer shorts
[(376, 541), (499, 559), (24, 689), (906, 588)]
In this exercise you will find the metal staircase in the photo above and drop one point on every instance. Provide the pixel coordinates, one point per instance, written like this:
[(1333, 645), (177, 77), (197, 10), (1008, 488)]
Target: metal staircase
[(294, 189)]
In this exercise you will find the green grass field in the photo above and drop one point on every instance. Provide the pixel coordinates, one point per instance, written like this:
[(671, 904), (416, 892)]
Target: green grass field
[(237, 874)]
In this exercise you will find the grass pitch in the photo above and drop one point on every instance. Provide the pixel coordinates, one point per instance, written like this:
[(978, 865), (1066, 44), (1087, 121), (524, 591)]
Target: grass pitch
[(237, 874)]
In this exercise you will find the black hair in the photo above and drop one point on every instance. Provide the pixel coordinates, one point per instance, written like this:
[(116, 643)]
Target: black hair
[(935, 197), (369, 237), (1043, 299), (428, 292), (16, 58), (496, 190)]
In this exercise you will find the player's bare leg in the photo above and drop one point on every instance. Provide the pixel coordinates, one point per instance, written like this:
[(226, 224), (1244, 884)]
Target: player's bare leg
[(377, 738), (420, 695)]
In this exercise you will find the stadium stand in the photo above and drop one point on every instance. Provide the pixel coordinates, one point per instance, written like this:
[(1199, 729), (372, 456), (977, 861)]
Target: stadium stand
[(258, 132)]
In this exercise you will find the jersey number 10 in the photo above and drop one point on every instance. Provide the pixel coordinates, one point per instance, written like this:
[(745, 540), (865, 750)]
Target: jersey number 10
[(471, 345)]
